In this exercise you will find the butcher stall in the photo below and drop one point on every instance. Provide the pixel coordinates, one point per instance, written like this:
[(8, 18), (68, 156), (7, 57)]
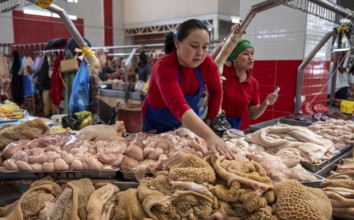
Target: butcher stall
[(143, 175), (280, 171)]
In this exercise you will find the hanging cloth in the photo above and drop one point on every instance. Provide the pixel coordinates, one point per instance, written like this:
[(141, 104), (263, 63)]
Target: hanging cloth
[(16, 81), (57, 86)]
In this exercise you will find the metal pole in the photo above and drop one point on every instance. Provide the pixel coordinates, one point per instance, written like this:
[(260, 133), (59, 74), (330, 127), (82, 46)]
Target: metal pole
[(263, 6), (126, 64), (344, 12), (334, 79), (128, 46), (303, 65), (69, 24), (233, 39)]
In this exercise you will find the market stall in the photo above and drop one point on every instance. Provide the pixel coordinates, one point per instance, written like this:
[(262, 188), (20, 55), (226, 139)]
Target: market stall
[(115, 158), (109, 171)]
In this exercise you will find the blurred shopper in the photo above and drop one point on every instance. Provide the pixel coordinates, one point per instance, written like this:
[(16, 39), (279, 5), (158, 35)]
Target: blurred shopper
[(178, 80), (343, 80), (241, 89), (17, 80), (131, 74), (143, 69)]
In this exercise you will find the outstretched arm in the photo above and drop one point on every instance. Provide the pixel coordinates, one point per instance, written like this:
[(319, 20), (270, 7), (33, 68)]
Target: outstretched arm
[(191, 121), (256, 111)]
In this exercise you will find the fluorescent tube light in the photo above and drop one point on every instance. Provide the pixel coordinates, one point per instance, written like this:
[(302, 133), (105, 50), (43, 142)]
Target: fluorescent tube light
[(45, 13), (341, 49), (36, 12)]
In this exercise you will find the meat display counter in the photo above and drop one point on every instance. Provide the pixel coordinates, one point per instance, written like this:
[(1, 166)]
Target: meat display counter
[(281, 120), (112, 96), (325, 170)]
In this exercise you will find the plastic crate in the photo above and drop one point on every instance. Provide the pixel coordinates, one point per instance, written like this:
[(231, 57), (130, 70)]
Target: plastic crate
[(347, 107)]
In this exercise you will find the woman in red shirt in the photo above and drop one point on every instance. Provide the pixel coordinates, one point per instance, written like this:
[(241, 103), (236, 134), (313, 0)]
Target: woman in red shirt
[(177, 82), (241, 89)]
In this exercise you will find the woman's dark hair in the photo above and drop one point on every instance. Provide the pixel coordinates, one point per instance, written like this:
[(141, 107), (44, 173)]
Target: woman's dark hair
[(183, 30)]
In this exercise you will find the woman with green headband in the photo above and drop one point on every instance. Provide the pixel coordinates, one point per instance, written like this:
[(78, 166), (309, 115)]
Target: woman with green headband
[(241, 89)]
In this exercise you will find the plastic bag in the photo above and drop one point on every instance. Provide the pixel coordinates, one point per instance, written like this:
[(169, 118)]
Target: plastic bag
[(80, 94), (71, 121), (77, 121), (139, 86), (219, 124)]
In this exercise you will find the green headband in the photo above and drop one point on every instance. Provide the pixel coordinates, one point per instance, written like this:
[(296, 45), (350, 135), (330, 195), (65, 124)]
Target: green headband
[(241, 45)]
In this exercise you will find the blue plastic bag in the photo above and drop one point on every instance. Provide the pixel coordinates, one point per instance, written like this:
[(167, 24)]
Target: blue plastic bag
[(80, 94)]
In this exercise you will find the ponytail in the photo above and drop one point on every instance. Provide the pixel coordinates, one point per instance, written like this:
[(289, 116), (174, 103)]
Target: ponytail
[(170, 43)]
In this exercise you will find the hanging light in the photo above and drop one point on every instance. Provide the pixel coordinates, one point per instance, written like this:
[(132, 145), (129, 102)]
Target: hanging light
[(341, 42)]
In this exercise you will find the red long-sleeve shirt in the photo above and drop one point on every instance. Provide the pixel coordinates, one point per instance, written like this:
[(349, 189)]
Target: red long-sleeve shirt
[(165, 91)]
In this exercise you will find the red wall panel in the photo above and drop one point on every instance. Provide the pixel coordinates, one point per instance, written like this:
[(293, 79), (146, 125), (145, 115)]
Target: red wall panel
[(108, 22), (283, 73), (30, 29)]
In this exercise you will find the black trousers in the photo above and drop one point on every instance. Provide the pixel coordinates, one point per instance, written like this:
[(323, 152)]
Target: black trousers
[(342, 93)]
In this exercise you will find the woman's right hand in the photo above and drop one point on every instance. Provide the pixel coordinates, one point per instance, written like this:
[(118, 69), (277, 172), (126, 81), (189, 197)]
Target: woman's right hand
[(217, 145), (214, 143), (235, 28)]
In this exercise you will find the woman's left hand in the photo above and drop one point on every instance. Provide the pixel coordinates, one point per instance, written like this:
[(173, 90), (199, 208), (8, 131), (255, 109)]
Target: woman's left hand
[(271, 98)]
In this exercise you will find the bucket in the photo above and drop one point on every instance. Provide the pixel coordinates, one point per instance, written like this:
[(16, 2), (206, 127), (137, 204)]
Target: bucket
[(131, 116)]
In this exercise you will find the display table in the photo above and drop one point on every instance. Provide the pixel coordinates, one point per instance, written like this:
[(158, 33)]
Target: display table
[(49, 122), (114, 104)]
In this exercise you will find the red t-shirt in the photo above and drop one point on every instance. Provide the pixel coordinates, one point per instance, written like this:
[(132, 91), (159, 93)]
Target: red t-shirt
[(238, 96), (165, 91)]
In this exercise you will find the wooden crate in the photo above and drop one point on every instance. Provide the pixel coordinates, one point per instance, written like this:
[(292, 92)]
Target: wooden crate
[(30, 105)]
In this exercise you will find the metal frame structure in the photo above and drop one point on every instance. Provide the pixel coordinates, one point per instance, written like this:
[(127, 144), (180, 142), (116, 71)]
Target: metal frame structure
[(9, 5), (158, 29), (307, 60), (320, 8)]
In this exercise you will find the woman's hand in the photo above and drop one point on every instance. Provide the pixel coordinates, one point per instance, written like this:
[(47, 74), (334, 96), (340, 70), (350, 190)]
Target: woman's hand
[(271, 99), (235, 28), (216, 145)]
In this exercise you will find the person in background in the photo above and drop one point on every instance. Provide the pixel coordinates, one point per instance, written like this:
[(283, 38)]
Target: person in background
[(28, 86), (241, 89), (105, 64), (143, 69), (132, 75), (17, 92), (110, 69), (117, 63), (117, 69), (178, 80), (343, 79), (152, 58)]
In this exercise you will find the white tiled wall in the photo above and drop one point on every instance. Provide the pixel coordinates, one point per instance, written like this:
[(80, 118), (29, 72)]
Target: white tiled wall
[(283, 33), (316, 30), (6, 30)]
